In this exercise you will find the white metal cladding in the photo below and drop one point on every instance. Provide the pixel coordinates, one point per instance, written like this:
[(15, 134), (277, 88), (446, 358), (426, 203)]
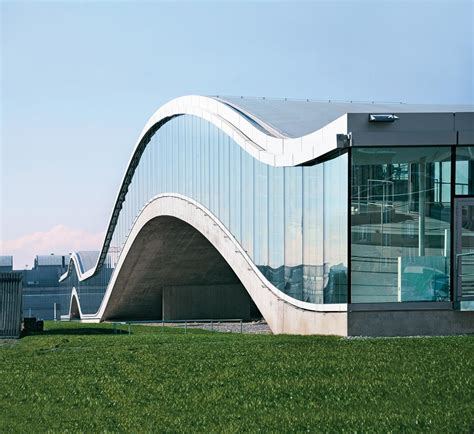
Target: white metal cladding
[(10, 305)]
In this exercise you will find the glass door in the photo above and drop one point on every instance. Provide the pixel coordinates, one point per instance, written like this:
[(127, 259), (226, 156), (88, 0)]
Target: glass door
[(464, 249)]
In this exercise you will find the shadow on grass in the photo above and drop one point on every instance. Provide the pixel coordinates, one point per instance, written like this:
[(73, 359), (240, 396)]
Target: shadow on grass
[(81, 331)]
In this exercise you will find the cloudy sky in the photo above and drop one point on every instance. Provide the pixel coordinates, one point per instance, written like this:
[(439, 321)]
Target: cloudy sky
[(80, 79)]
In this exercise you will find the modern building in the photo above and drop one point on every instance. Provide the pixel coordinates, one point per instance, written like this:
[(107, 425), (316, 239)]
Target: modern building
[(46, 271), (43, 297), (322, 217)]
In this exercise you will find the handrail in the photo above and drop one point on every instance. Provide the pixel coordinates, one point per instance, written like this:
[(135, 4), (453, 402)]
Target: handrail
[(177, 321), (464, 254)]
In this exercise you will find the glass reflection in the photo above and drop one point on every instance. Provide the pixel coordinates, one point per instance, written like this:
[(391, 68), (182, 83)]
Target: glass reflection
[(465, 170), (292, 221), (400, 224)]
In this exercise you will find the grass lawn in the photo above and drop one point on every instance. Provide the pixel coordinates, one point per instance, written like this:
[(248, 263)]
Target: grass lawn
[(81, 377)]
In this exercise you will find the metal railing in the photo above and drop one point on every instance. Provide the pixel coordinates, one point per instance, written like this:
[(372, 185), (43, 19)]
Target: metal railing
[(187, 323), (465, 288)]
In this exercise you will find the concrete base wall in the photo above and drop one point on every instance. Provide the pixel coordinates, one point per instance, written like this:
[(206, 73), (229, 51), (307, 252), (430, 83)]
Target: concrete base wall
[(410, 323), (208, 302)]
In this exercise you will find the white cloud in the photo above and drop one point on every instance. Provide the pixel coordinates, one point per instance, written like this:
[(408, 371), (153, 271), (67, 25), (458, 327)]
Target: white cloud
[(59, 240)]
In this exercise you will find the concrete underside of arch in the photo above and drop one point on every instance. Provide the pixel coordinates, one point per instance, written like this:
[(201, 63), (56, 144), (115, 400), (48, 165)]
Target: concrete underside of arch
[(180, 262), (172, 272)]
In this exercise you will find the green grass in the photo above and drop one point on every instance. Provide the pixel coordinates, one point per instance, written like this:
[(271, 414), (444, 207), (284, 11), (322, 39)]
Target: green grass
[(79, 377)]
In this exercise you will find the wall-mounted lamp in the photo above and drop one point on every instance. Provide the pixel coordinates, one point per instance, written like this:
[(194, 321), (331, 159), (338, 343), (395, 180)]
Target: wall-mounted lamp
[(383, 118)]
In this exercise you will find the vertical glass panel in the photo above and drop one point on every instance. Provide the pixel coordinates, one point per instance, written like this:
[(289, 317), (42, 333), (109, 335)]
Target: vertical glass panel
[(235, 192), (224, 185), (195, 146), (400, 224), (335, 230), (261, 229), (465, 170), (293, 203), (213, 170), (199, 158), (464, 254), (313, 241), (248, 184), (276, 227), (205, 164), (181, 147), (189, 146)]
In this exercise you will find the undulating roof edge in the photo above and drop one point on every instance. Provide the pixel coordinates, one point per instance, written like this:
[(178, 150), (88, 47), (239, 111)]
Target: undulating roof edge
[(277, 132), (84, 261), (295, 118)]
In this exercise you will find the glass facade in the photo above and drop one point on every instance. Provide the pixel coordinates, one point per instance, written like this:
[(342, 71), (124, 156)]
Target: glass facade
[(292, 221), (465, 170), (464, 238), (400, 224)]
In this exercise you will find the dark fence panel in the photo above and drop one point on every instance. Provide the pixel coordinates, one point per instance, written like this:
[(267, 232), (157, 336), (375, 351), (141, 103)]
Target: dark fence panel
[(10, 304)]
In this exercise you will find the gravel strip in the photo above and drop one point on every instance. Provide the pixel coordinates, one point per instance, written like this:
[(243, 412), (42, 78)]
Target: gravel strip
[(251, 327)]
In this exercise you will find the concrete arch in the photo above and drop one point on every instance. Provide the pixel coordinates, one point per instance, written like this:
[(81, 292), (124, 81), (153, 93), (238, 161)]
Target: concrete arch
[(75, 311), (283, 313), (173, 272)]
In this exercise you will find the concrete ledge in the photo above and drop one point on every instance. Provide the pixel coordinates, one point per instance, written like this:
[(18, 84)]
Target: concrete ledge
[(410, 323)]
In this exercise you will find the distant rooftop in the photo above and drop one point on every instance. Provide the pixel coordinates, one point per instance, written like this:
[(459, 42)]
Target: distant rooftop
[(6, 261), (50, 260), (283, 117), (87, 259)]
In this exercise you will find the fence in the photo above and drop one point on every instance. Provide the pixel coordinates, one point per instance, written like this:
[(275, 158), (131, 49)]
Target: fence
[(10, 305), (213, 324)]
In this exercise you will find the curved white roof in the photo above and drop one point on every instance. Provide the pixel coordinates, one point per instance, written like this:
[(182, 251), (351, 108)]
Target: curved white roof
[(84, 261), (296, 118)]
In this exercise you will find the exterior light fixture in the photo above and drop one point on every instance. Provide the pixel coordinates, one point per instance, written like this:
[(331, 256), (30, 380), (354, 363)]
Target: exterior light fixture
[(382, 118)]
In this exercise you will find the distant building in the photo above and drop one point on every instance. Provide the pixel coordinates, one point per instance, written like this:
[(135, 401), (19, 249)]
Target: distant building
[(6, 264), (42, 295), (46, 271)]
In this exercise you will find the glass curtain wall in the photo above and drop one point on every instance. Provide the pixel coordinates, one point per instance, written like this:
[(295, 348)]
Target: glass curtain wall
[(464, 254), (465, 170), (400, 224), (292, 221)]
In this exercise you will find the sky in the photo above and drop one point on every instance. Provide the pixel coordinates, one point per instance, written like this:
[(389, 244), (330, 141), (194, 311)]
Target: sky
[(79, 80)]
